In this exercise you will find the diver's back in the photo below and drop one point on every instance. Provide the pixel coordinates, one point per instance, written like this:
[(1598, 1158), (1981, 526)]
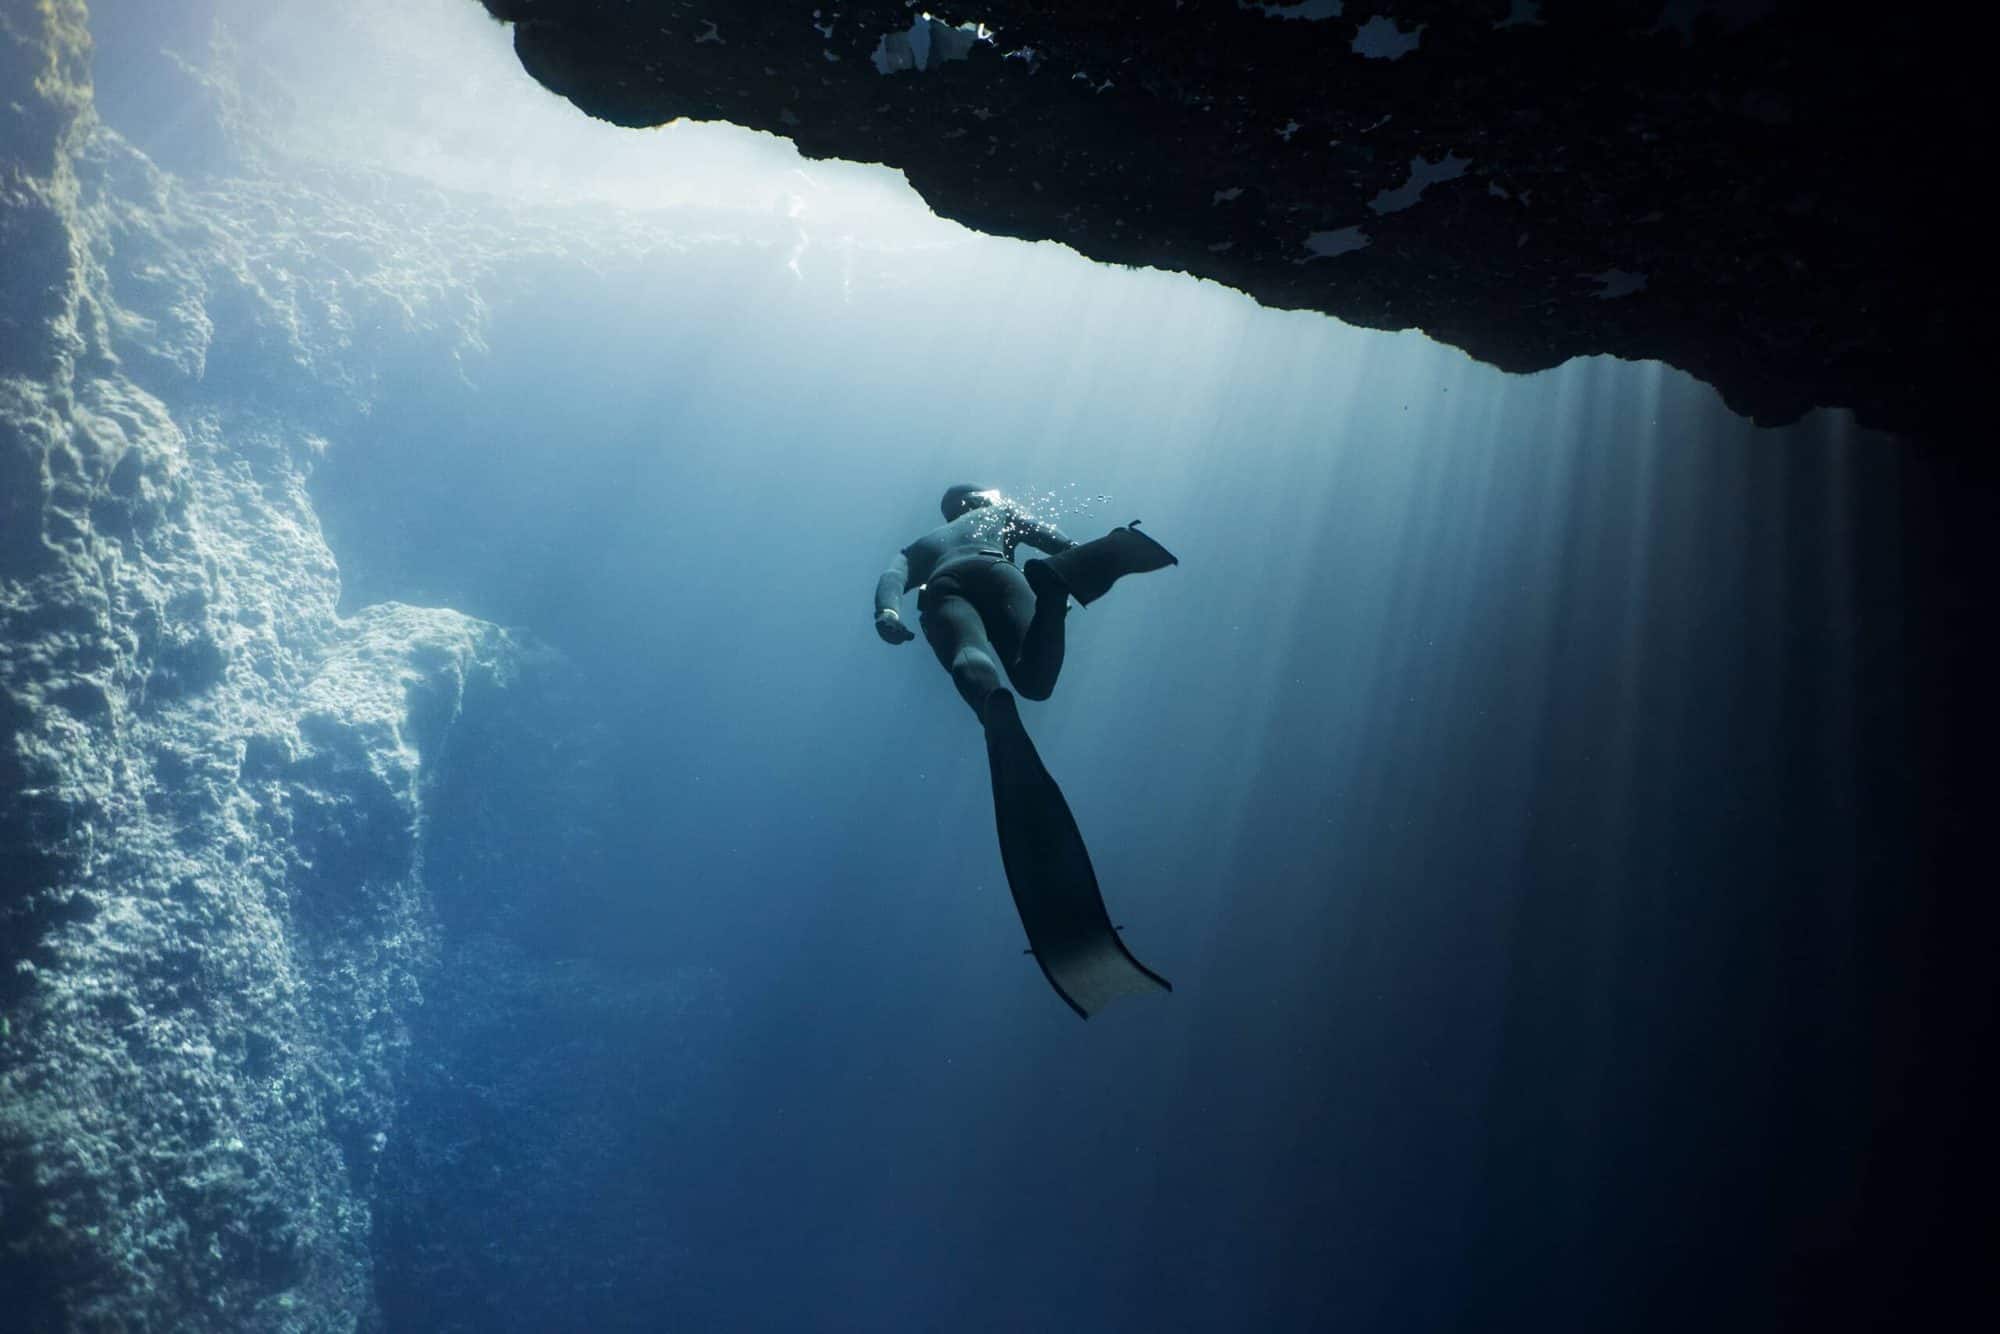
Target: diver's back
[(989, 528)]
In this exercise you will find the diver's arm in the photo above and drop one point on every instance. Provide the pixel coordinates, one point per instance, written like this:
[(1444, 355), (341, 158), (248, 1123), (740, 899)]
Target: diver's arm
[(889, 591), (890, 587), (1041, 536)]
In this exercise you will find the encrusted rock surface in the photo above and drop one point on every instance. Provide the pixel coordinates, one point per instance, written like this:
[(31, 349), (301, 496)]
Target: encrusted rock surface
[(249, 834), (1769, 194), (213, 923)]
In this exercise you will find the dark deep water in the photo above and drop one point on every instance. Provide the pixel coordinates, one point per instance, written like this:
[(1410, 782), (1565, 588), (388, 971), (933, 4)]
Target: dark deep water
[(1552, 799)]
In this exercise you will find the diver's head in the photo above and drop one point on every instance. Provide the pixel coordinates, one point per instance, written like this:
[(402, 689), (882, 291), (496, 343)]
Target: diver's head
[(965, 497)]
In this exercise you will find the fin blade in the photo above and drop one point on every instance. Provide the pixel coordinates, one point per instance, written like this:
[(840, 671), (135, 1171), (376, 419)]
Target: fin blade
[(1054, 885)]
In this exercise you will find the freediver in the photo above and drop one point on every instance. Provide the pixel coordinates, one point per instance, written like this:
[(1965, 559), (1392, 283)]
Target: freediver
[(985, 616)]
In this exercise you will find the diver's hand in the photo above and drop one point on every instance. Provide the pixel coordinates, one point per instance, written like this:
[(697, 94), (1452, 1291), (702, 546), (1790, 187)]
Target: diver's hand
[(889, 625)]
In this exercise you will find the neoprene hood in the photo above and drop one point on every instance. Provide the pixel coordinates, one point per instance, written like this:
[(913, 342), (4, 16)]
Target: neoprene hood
[(965, 496)]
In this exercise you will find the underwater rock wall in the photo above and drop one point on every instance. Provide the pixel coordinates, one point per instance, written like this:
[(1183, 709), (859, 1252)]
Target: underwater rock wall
[(1770, 195), (213, 922)]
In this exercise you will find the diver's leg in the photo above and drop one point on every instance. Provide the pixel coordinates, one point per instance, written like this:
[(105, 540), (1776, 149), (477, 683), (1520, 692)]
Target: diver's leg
[(1027, 629), (956, 634)]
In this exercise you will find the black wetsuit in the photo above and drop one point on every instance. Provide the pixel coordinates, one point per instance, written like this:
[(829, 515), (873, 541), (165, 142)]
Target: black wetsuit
[(976, 608), (983, 616)]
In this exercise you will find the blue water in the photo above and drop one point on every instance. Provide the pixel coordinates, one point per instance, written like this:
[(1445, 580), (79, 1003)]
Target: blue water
[(1448, 777), (1502, 779)]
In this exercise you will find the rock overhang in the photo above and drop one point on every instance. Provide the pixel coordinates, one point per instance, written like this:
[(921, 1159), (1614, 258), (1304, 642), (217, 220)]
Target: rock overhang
[(1757, 192)]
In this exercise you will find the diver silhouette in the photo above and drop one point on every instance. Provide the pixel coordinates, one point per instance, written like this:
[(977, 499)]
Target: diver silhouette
[(984, 617)]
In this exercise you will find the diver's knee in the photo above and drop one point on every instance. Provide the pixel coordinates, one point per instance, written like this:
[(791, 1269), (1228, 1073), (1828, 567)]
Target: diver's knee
[(1035, 690), (972, 665)]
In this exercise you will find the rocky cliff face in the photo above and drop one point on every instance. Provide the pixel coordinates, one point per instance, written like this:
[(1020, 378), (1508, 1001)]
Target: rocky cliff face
[(1765, 193), (213, 923)]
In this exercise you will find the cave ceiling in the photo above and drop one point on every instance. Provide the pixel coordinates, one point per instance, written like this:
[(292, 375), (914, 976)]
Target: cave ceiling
[(1763, 194)]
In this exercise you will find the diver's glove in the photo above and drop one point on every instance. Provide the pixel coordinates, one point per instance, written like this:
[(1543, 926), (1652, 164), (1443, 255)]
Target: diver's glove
[(889, 625)]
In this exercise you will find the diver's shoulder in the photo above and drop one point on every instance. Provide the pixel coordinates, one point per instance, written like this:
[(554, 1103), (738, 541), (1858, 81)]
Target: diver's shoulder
[(935, 540)]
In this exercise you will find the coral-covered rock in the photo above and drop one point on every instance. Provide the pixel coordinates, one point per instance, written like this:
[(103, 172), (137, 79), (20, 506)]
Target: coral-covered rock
[(212, 917)]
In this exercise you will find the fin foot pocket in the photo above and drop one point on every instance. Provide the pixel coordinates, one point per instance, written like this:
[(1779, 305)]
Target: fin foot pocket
[(1088, 569)]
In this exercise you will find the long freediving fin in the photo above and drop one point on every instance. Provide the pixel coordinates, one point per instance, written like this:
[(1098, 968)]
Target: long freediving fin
[(1048, 868)]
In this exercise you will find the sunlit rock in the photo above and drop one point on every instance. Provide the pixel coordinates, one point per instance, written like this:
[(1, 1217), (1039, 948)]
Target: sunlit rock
[(213, 922)]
